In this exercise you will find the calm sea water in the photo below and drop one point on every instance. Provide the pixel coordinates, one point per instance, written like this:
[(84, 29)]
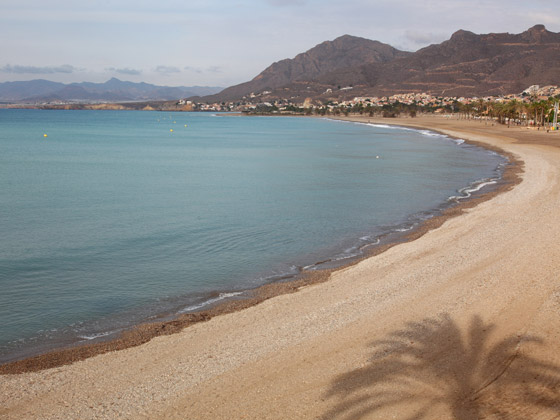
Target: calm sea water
[(113, 218)]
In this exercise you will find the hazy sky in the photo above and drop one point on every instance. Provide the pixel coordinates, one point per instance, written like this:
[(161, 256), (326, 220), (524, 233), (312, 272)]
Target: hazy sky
[(221, 43)]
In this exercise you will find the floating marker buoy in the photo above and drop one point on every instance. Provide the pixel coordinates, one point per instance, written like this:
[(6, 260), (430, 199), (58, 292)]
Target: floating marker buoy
[(44, 135), (376, 157), (185, 125), (171, 130)]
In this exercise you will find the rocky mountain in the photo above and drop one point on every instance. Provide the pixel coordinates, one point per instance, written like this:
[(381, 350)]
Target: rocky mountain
[(114, 90), (345, 51), (13, 91), (465, 65)]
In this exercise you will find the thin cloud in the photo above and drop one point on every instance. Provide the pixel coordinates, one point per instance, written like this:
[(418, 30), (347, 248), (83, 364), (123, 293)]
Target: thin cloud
[(423, 38), (198, 70), (167, 69), (193, 69), (65, 68), (126, 70), (545, 18)]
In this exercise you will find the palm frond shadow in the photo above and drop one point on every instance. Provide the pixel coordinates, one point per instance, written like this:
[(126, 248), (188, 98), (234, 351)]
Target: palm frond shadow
[(430, 366)]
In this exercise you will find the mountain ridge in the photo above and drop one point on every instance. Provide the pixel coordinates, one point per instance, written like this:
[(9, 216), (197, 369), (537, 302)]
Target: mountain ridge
[(322, 59), (467, 64), (40, 90)]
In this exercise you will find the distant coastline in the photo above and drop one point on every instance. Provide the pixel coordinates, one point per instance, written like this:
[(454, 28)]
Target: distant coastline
[(124, 106), (536, 106)]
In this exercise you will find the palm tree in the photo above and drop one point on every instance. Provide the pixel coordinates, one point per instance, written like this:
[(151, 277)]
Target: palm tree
[(490, 108), (479, 107), (499, 111), (432, 364)]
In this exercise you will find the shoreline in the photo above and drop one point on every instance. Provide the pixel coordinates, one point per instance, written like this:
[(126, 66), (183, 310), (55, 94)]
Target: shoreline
[(463, 322), (174, 323)]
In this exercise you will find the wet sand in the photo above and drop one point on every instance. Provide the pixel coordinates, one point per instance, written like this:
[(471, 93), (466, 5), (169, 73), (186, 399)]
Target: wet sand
[(461, 322)]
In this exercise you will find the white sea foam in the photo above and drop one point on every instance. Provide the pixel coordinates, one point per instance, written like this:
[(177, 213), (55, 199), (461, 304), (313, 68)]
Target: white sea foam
[(278, 275), (349, 253), (404, 229), (342, 257), (368, 244), (220, 297), (467, 191), (423, 132), (429, 133), (98, 335), (379, 125)]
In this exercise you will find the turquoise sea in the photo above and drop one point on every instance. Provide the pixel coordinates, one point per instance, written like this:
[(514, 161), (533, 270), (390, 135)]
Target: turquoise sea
[(113, 219)]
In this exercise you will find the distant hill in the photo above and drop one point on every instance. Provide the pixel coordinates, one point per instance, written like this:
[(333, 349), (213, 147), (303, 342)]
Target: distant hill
[(14, 91), (465, 65), (322, 59), (113, 90)]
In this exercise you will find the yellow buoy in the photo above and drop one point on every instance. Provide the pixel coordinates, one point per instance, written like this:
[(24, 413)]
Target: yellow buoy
[(185, 125), (44, 135), (171, 130)]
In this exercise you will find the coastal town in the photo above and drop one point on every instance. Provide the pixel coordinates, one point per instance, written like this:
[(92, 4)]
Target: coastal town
[(535, 105)]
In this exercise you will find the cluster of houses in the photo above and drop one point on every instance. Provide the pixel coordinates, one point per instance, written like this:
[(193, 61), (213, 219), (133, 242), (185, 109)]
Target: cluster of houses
[(253, 103)]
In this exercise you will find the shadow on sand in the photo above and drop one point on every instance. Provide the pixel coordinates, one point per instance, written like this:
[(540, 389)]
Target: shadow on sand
[(432, 367)]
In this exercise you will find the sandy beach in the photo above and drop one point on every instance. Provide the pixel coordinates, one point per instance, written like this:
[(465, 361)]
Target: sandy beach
[(460, 323)]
